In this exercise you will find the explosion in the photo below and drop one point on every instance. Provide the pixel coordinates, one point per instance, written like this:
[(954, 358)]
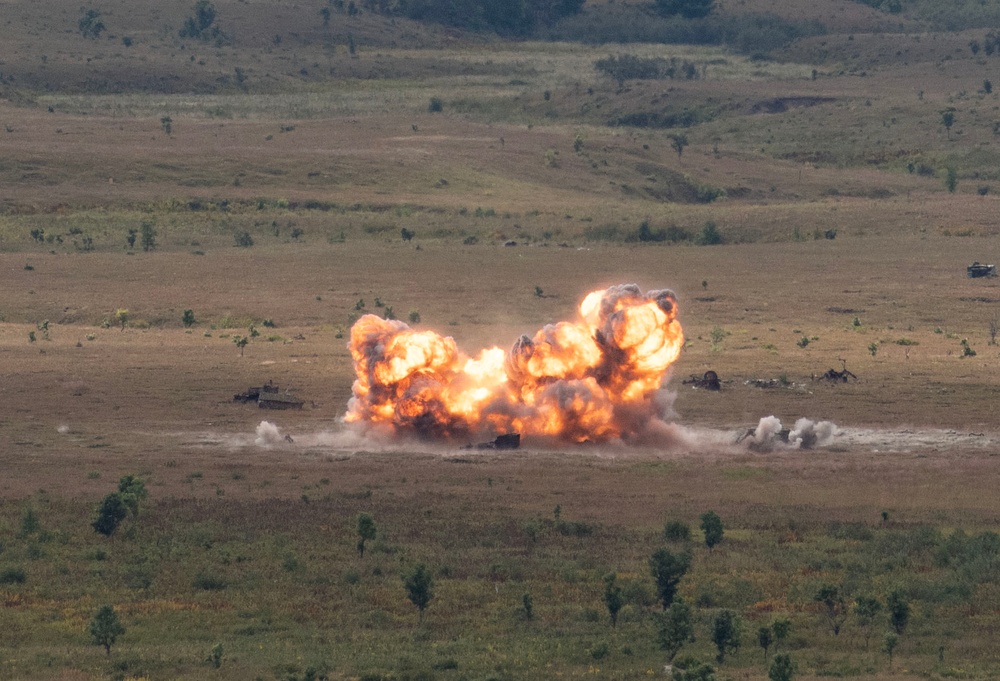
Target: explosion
[(594, 379)]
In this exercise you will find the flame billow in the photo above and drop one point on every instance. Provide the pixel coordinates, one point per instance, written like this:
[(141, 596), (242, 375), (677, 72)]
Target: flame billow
[(589, 380)]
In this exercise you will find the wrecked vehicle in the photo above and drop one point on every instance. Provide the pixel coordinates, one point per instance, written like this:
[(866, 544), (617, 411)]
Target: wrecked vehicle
[(505, 441), (977, 269), (267, 396), (708, 381)]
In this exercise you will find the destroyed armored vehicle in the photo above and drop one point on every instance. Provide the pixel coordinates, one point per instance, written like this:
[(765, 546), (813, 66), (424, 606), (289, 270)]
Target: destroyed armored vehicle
[(708, 381), (267, 397), (977, 269), (505, 441)]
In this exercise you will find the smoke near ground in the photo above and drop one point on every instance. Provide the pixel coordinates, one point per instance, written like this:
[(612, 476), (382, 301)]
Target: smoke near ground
[(806, 434), (662, 439), (268, 435)]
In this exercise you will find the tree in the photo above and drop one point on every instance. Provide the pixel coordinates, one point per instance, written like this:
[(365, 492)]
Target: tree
[(419, 587), (105, 628), (677, 143), (110, 513), (899, 612), (765, 639), (148, 237), (90, 24), (689, 9), (725, 634), (948, 120), (130, 238), (613, 598), (366, 531), (690, 669), (132, 490), (200, 25), (674, 628), (677, 531), (711, 525), (121, 315), (529, 606), (889, 645), (215, 655), (781, 628), (667, 569), (782, 669), (951, 179), (188, 318), (241, 343), (709, 236), (866, 610), (833, 605)]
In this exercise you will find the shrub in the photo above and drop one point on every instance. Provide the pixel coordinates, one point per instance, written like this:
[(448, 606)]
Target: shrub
[(711, 525), (200, 25), (215, 656), (90, 24), (899, 611), (677, 531), (243, 239), (709, 235), (13, 575), (528, 606), (435, 105), (781, 669), (132, 490), (613, 598), (689, 9), (110, 514), (419, 587), (690, 669), (148, 232), (366, 531), (208, 582)]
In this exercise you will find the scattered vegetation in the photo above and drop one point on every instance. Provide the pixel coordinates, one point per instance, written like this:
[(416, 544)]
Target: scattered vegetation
[(90, 24), (201, 24)]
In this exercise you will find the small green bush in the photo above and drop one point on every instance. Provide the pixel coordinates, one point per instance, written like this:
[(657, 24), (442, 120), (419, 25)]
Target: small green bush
[(677, 531), (13, 575), (709, 235), (208, 582)]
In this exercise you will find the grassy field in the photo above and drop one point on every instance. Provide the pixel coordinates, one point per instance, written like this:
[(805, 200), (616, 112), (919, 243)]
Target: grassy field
[(286, 183)]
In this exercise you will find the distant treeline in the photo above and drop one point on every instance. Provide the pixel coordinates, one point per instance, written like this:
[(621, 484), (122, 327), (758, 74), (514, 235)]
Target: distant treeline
[(945, 16), (506, 17), (748, 34), (660, 21)]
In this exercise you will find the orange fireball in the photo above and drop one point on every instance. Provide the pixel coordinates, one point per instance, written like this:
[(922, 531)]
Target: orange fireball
[(579, 381)]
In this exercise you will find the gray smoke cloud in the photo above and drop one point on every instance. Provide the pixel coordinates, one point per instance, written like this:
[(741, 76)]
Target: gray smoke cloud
[(770, 434)]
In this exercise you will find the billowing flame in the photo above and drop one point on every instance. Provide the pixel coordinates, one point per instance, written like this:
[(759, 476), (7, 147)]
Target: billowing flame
[(592, 379)]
